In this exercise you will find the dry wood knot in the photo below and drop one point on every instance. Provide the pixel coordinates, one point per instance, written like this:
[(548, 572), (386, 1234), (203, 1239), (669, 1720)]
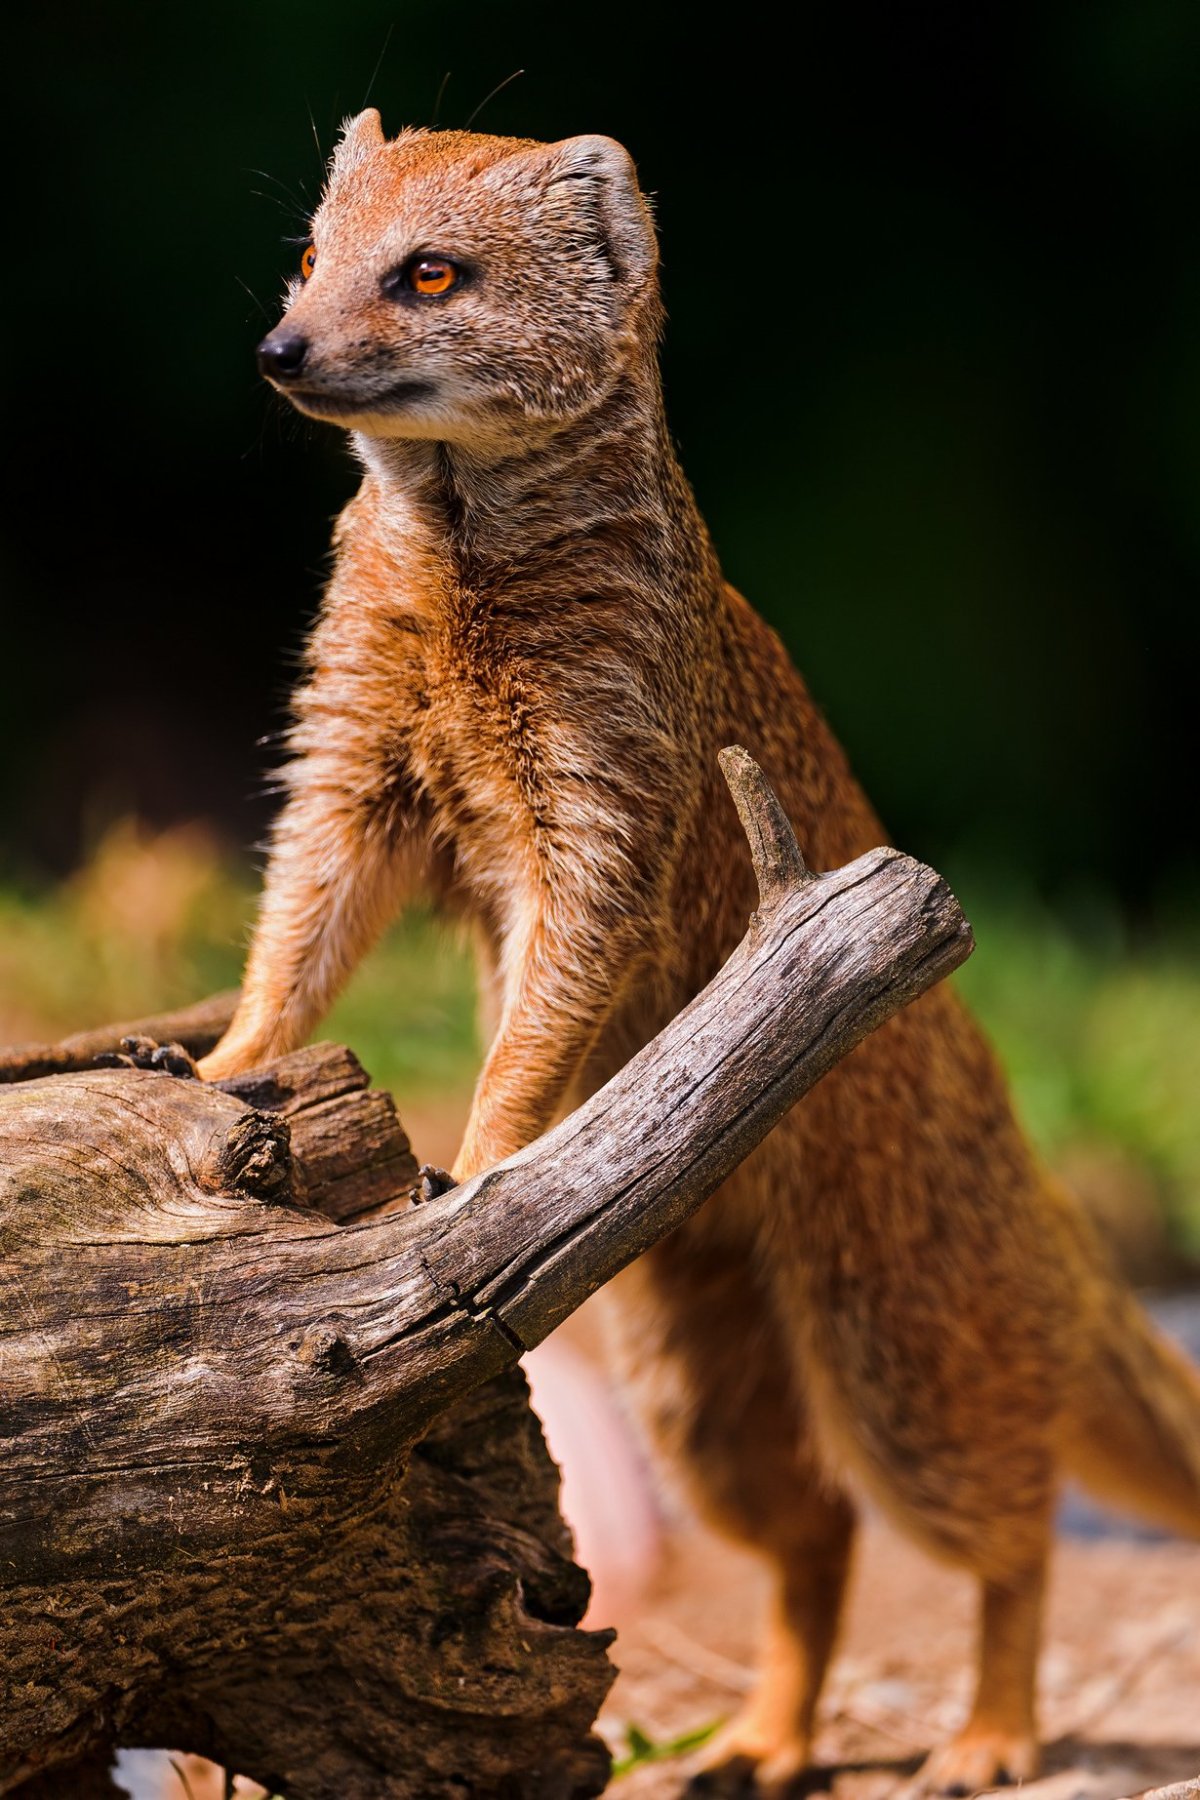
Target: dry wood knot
[(325, 1348), (254, 1157)]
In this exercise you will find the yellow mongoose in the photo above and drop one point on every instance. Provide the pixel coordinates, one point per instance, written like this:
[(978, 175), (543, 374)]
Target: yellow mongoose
[(525, 666)]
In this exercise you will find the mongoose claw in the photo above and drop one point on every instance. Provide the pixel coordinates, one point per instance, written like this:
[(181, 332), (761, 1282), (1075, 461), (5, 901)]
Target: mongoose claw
[(733, 1780), (431, 1184), (743, 1760), (978, 1759), (145, 1053)]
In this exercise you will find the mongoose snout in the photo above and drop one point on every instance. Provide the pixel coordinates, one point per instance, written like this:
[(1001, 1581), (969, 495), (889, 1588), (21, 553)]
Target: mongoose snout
[(282, 354)]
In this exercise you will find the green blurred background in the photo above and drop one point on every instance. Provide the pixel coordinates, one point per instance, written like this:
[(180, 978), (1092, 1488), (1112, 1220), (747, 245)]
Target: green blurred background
[(933, 278)]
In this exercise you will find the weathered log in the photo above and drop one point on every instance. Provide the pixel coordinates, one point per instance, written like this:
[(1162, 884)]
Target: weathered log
[(256, 1499)]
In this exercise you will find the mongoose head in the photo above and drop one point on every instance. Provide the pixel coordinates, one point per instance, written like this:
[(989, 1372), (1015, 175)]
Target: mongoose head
[(467, 288)]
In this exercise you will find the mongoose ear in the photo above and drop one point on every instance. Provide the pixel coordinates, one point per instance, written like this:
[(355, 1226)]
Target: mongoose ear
[(604, 174), (360, 136)]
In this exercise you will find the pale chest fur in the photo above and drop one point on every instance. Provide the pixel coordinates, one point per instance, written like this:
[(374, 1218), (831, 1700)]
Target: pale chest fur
[(510, 733)]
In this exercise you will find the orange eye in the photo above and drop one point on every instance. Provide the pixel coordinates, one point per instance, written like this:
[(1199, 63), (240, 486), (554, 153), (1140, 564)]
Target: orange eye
[(432, 275), (308, 262)]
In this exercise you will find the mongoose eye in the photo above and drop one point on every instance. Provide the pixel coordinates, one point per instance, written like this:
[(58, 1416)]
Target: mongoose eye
[(430, 275), (308, 261)]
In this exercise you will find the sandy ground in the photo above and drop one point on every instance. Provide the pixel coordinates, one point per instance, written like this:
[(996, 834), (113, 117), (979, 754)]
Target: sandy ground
[(1120, 1674)]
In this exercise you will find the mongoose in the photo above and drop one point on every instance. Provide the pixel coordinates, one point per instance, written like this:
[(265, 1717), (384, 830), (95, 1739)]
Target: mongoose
[(525, 666)]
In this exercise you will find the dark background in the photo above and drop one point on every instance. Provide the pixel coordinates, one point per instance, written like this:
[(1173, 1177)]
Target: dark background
[(933, 279)]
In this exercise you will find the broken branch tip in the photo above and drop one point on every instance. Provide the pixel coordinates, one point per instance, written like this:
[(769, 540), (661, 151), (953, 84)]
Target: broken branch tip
[(778, 863)]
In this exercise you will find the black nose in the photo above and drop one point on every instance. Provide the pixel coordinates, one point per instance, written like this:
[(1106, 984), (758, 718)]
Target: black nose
[(282, 354)]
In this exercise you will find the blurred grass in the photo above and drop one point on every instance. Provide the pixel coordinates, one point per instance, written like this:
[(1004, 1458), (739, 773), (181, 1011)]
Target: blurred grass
[(1099, 1027), (156, 921), (641, 1749)]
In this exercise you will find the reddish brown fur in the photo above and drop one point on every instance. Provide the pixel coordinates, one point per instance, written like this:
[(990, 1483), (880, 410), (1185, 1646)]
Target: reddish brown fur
[(526, 664)]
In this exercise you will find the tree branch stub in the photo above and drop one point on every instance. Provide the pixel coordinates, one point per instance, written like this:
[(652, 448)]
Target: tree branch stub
[(778, 861)]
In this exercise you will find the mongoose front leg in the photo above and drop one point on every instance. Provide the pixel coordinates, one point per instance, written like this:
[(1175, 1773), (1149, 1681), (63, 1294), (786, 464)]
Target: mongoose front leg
[(338, 873), (561, 997)]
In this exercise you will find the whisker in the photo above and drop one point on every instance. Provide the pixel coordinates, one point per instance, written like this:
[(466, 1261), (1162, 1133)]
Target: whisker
[(247, 289), (378, 64), (300, 202), (316, 136), (257, 447), (284, 206), (266, 175), (437, 105), (499, 88)]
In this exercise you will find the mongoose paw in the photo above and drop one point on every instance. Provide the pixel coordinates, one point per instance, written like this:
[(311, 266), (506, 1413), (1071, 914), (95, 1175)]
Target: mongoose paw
[(431, 1184), (743, 1760), (234, 1056), (145, 1053), (731, 1779), (981, 1756)]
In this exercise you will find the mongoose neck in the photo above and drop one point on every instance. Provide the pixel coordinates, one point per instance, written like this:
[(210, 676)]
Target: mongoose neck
[(597, 480)]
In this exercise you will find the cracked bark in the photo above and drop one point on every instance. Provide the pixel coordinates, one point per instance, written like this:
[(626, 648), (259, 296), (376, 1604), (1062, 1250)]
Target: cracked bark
[(271, 1489)]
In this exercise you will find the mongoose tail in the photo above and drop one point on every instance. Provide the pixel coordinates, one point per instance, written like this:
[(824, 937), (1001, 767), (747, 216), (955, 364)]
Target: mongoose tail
[(1133, 1430)]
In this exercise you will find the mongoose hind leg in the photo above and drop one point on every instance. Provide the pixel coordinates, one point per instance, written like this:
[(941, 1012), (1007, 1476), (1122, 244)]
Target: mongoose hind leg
[(999, 1741), (709, 1370), (982, 1502)]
